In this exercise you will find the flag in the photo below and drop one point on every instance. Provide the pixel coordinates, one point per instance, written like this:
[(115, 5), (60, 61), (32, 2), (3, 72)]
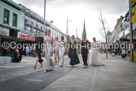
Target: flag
[(133, 9), (132, 2), (51, 21)]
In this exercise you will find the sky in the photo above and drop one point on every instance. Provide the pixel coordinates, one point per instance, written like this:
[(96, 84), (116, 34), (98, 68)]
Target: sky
[(77, 11)]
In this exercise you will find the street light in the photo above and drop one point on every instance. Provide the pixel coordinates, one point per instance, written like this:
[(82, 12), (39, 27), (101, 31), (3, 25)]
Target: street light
[(45, 14), (76, 32), (67, 26)]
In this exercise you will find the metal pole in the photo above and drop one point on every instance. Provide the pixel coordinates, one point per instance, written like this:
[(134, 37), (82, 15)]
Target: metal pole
[(76, 32), (131, 32), (44, 16), (67, 27)]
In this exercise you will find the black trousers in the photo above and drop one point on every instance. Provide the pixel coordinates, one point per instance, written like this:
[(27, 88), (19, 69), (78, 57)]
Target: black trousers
[(85, 57), (39, 51)]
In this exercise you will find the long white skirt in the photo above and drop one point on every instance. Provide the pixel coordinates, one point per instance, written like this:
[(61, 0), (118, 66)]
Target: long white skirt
[(94, 57), (49, 65), (56, 54), (61, 55)]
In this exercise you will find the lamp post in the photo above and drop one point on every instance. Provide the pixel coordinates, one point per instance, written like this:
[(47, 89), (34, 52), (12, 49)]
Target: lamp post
[(77, 32), (67, 26), (44, 16), (131, 31), (67, 21)]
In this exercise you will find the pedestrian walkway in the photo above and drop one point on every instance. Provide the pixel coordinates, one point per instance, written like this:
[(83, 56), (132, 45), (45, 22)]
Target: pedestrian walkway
[(117, 75), (12, 70), (5, 59), (22, 76)]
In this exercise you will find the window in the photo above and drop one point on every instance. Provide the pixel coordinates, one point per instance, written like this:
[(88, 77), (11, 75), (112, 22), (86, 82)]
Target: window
[(25, 24), (14, 22), (37, 26), (32, 26), (32, 23), (6, 16)]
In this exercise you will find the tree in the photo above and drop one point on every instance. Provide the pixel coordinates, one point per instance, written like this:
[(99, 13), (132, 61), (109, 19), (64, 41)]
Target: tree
[(102, 22)]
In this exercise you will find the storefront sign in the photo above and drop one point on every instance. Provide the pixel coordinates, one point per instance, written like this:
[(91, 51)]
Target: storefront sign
[(4, 31), (26, 37)]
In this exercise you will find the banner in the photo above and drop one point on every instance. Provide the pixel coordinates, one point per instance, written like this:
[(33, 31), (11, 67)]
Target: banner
[(132, 2), (133, 19), (26, 37)]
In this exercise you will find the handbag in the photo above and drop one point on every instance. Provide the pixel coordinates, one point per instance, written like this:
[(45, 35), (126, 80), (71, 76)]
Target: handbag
[(41, 60)]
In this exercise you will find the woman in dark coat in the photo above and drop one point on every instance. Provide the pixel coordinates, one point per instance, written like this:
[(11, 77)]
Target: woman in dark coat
[(73, 52), (84, 51)]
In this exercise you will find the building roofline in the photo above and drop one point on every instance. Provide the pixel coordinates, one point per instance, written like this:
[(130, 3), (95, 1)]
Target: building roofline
[(12, 4)]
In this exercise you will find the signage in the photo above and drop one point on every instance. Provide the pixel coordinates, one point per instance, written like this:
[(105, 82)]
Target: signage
[(4, 31), (26, 37)]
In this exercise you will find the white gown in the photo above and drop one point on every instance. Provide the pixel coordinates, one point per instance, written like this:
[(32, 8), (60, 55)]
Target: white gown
[(48, 54), (94, 58), (61, 52), (56, 54)]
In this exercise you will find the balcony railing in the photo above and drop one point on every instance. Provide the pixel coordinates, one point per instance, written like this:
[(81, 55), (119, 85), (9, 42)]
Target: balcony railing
[(121, 34), (27, 28)]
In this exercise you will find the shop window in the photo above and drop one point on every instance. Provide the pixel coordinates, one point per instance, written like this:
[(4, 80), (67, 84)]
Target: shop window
[(13, 33), (32, 26), (6, 16), (37, 26), (14, 23)]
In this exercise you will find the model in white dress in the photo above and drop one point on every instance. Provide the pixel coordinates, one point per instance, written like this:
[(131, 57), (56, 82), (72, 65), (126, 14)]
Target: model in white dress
[(61, 52), (48, 52), (56, 54), (95, 59)]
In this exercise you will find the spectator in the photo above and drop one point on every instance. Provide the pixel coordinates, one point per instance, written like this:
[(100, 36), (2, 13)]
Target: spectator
[(17, 56), (28, 51)]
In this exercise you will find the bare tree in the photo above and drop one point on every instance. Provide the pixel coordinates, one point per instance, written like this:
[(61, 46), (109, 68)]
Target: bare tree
[(102, 21)]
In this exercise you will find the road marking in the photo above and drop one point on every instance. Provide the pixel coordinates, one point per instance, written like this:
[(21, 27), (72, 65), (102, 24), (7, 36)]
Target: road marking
[(34, 80)]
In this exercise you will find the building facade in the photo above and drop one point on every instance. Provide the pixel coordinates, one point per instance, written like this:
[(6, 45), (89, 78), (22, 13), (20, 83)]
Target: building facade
[(117, 28), (20, 24)]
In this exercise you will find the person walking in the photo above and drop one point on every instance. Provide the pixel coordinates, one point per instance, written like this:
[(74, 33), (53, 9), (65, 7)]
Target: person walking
[(38, 47), (49, 49), (61, 51), (73, 52), (95, 59), (84, 51), (56, 54)]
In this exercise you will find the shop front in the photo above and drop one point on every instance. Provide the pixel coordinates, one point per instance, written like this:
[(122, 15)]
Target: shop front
[(3, 34), (28, 40)]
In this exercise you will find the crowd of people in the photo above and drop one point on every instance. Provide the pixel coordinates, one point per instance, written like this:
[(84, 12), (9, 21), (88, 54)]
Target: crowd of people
[(54, 51)]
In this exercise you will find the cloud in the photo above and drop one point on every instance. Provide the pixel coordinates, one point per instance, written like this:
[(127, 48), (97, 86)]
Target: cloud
[(110, 6), (78, 10)]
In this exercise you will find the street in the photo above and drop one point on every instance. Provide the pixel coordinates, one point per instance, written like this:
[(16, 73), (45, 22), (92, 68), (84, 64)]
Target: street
[(118, 75)]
